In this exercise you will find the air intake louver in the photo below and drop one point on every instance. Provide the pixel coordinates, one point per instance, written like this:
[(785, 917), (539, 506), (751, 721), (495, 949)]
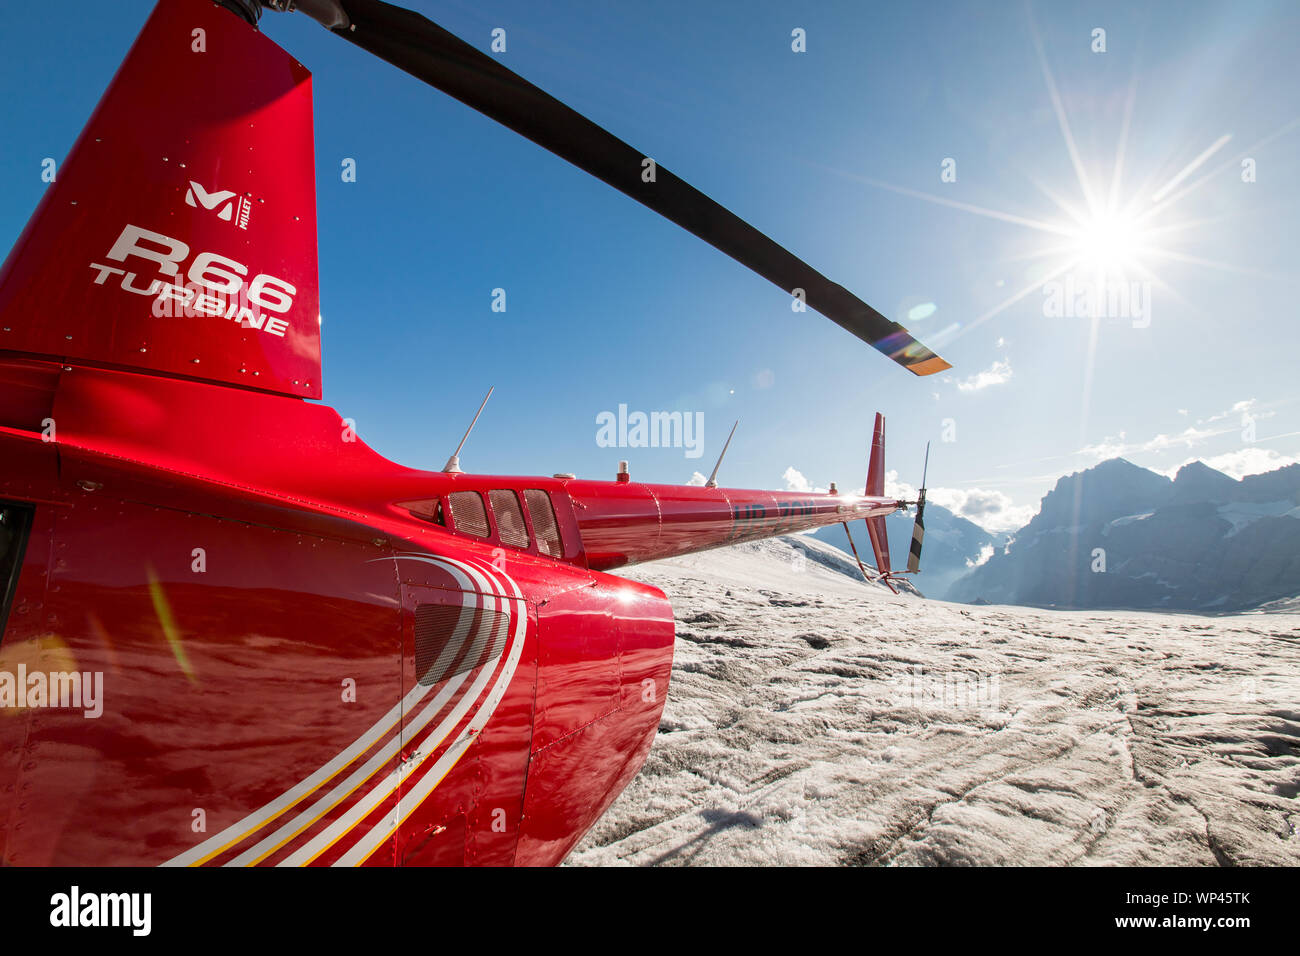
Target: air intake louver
[(548, 533), (468, 511), (451, 640), (510, 518)]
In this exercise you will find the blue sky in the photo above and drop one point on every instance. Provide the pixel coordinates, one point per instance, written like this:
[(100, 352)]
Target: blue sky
[(837, 153)]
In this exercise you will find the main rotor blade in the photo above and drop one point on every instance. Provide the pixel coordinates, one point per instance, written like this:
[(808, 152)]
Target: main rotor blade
[(427, 51)]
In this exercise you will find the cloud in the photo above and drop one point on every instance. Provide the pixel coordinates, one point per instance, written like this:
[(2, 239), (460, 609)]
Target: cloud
[(697, 480), (1115, 446), (1238, 409), (1242, 462), (1240, 414), (986, 552), (795, 481), (991, 510), (996, 374), (898, 489)]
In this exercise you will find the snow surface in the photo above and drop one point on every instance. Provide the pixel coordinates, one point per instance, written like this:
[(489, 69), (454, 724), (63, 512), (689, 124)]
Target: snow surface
[(815, 719), (1242, 513), (1127, 519)]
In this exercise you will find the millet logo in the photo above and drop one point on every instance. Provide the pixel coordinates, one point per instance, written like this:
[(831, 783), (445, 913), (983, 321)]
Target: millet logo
[(222, 202)]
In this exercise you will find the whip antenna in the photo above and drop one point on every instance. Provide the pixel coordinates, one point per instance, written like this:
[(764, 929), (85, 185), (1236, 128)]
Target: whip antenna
[(453, 463), (713, 478)]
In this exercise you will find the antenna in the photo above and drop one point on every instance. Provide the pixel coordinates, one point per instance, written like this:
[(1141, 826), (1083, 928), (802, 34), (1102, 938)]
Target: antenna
[(713, 478), (453, 463)]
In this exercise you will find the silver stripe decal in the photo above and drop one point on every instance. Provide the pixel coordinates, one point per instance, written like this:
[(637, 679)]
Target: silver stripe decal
[(380, 833), (378, 794), (254, 821), (377, 760)]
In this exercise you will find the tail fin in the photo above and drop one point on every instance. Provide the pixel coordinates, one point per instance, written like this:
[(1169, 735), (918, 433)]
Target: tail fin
[(876, 488), (180, 236), (876, 464)]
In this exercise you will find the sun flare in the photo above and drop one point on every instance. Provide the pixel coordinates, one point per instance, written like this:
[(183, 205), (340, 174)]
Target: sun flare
[(1108, 241)]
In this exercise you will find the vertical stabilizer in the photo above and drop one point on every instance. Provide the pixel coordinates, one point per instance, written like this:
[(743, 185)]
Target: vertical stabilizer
[(876, 488), (179, 237)]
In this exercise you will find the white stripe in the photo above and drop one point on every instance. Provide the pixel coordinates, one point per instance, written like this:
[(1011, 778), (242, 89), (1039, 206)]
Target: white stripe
[(377, 760), (258, 818), (378, 794), (380, 833)]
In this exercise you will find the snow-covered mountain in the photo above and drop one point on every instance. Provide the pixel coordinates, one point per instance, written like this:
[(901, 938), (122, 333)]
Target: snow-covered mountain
[(953, 546), (815, 720), (1118, 535)]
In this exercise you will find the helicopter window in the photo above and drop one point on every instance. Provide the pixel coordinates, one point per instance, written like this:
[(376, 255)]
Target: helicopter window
[(544, 525), (15, 523), (510, 518), (468, 512)]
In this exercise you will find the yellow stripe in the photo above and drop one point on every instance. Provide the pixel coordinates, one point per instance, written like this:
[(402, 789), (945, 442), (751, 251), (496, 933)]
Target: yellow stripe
[(269, 820)]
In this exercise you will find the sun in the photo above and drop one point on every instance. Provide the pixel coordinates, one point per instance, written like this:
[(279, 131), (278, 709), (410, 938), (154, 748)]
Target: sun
[(1110, 241)]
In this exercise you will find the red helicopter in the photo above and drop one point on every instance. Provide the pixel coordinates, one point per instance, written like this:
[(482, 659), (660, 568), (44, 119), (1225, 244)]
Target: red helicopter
[(232, 634)]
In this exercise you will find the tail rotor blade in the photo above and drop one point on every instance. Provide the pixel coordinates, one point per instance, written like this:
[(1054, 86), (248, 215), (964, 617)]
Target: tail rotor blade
[(918, 529), (918, 536)]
